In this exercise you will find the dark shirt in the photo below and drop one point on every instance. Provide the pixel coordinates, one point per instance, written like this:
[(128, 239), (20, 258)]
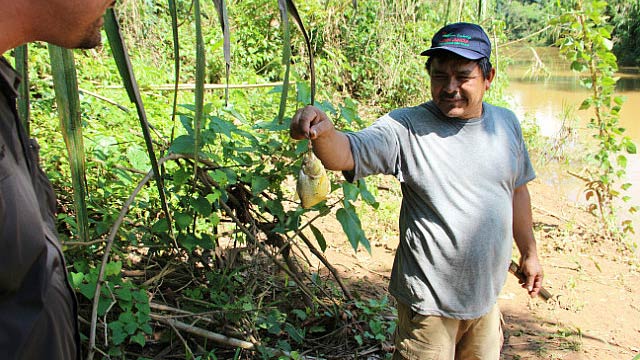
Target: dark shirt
[(38, 311)]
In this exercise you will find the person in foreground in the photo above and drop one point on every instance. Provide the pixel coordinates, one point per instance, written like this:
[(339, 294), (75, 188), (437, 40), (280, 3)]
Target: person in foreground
[(38, 314), (463, 169)]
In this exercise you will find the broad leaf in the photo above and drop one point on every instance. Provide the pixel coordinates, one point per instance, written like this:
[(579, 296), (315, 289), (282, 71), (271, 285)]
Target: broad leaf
[(352, 227)]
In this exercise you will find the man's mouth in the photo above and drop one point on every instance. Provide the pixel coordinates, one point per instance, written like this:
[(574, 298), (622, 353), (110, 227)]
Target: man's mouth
[(451, 99)]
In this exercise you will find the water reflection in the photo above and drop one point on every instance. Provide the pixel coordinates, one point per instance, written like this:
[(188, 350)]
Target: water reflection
[(545, 90)]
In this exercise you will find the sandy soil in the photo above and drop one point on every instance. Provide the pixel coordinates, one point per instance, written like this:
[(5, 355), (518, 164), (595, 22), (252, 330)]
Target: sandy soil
[(595, 309)]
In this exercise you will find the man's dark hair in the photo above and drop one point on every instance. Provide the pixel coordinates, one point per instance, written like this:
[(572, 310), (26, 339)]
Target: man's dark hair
[(483, 63)]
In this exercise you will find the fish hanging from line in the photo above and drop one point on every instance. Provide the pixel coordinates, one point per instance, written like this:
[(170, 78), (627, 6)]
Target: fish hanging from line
[(313, 185)]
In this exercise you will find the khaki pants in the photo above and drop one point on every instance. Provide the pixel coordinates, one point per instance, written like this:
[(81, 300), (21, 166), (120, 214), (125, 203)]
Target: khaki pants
[(420, 337)]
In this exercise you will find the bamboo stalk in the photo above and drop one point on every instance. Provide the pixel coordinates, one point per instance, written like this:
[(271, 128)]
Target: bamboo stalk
[(191, 87)]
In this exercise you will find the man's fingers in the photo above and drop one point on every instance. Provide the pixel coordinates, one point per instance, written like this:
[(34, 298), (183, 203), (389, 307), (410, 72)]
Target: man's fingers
[(308, 123), (529, 284), (299, 128), (319, 127)]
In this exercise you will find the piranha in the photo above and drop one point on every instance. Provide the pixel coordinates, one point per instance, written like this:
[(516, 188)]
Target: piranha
[(313, 184)]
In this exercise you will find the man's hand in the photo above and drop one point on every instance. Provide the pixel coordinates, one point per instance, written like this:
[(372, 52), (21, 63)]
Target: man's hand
[(310, 123), (532, 270), (330, 146)]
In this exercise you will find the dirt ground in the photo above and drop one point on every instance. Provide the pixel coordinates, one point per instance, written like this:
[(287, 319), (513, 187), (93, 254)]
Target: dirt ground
[(595, 309)]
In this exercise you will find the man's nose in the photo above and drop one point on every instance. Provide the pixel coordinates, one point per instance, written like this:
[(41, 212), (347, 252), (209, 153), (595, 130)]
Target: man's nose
[(451, 85)]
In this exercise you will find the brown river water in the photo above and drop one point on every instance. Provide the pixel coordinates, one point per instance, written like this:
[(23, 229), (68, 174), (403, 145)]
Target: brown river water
[(547, 97)]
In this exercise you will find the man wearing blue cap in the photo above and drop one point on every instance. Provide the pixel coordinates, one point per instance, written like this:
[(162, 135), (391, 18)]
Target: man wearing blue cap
[(463, 169)]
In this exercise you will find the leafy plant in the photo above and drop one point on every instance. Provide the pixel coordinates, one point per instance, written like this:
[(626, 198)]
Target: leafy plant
[(586, 42)]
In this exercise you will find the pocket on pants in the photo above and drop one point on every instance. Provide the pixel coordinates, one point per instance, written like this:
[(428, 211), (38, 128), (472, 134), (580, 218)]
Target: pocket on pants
[(410, 339)]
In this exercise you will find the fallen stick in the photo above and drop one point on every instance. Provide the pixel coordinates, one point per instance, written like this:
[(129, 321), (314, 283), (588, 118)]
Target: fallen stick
[(514, 268)]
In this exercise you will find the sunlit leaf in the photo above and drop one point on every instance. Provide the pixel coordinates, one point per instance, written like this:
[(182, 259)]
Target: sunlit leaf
[(631, 147), (622, 161)]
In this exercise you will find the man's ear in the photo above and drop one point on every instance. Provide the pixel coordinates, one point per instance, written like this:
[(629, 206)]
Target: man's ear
[(488, 80)]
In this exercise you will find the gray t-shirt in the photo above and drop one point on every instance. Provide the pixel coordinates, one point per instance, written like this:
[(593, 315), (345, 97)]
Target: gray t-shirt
[(457, 179)]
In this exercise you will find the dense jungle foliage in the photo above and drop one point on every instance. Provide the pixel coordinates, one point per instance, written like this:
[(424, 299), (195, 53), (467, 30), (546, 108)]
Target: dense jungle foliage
[(231, 271)]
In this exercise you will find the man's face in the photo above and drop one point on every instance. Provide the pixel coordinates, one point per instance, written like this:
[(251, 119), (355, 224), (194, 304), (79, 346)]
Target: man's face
[(458, 86), (74, 23)]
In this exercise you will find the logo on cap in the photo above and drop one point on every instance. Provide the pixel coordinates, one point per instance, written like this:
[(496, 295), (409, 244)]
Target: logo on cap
[(464, 39)]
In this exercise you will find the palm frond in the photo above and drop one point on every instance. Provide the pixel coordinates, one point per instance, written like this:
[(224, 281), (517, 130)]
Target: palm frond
[(123, 62), (65, 83)]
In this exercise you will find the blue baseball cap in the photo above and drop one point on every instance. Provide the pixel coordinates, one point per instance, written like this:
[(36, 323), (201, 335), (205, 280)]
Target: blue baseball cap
[(464, 39)]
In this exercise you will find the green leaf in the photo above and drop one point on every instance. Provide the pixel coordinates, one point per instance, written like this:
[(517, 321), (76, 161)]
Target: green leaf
[(138, 158), (367, 196), (350, 191), (183, 220), (65, 82), (622, 161), (160, 227), (220, 177), (358, 339), (586, 104), (294, 333), (183, 144), (138, 339), (87, 290), (201, 205), (319, 237), (303, 93), (124, 294), (188, 241), (577, 66), (76, 279), (631, 147), (301, 315), (118, 335), (349, 113), (259, 184), (113, 268), (352, 227)]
